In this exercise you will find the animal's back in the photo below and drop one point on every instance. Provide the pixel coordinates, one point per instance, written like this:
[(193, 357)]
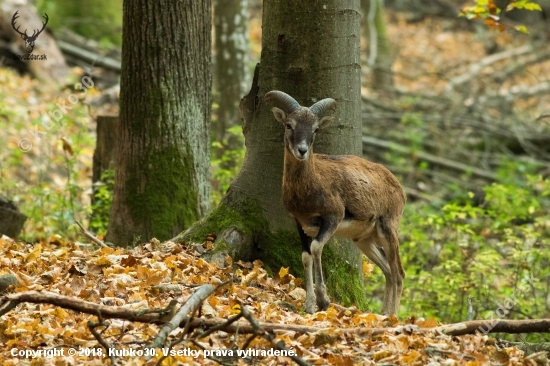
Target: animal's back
[(363, 185)]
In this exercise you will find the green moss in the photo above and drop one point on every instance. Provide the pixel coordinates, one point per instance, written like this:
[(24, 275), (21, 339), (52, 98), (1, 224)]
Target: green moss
[(281, 249), (245, 216), (343, 280), (160, 196)]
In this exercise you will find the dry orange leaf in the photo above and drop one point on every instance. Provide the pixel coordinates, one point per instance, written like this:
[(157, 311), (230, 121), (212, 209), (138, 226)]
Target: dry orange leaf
[(35, 254), (283, 272)]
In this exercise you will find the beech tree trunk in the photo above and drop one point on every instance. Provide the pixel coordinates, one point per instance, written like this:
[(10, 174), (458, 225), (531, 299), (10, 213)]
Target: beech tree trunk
[(379, 57), (231, 79), (310, 50), (162, 174)]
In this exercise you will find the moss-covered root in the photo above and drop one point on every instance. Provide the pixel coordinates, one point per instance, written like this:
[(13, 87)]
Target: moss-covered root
[(244, 234)]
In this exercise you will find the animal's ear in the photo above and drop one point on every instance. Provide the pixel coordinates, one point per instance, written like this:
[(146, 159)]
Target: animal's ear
[(279, 114), (325, 121)]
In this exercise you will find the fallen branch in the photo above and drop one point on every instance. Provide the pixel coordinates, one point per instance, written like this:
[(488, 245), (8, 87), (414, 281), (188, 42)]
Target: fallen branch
[(474, 69), (470, 327), (451, 164), (91, 236), (279, 344), (9, 302), (514, 93), (181, 315), (90, 57), (497, 326)]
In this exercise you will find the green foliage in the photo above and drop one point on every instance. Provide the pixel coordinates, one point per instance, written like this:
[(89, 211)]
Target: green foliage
[(462, 250), (226, 167), (103, 199), (47, 182), (100, 20), (492, 14)]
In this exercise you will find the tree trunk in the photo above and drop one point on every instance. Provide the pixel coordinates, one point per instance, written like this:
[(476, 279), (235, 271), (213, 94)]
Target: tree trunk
[(162, 174), (379, 57), (105, 148), (311, 51), (231, 28)]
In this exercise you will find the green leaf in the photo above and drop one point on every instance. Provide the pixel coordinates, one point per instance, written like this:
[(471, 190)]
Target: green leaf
[(522, 29), (533, 6)]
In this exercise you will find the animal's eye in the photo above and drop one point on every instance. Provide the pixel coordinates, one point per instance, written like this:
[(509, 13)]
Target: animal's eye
[(315, 130), (288, 126)]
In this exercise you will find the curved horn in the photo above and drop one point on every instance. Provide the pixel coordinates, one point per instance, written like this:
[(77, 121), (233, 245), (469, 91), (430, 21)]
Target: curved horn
[(286, 101), (321, 106)]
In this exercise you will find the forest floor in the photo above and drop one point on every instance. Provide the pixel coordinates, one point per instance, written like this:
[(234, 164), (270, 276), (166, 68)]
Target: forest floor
[(50, 182), (154, 274)]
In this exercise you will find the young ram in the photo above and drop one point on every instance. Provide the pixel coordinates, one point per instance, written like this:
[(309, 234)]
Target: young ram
[(340, 195)]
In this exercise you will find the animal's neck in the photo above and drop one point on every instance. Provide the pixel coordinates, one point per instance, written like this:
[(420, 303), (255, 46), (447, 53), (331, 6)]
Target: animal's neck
[(299, 170)]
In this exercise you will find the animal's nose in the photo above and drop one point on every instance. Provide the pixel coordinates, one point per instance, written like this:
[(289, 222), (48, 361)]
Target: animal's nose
[(302, 151)]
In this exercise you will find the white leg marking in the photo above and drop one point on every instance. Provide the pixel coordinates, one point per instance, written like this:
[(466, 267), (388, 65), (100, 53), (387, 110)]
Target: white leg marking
[(310, 303)]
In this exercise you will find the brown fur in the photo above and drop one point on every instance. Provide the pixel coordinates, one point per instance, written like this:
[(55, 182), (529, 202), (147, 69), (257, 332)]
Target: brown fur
[(339, 195)]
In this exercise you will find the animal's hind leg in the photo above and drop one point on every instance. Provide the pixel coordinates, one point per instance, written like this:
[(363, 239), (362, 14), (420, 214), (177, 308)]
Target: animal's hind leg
[(376, 255), (387, 238)]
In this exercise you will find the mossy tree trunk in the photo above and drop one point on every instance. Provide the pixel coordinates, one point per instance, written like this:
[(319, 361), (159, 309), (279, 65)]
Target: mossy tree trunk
[(379, 54), (311, 51), (231, 73), (162, 174)]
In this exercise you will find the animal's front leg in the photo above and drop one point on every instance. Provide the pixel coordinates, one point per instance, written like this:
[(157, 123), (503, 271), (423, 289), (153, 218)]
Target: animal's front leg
[(327, 228), (307, 261), (323, 300), (310, 304)]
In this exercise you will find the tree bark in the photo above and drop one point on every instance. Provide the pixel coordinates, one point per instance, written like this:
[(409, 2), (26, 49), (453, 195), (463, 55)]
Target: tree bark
[(379, 57), (231, 79), (310, 51), (105, 148), (162, 174)]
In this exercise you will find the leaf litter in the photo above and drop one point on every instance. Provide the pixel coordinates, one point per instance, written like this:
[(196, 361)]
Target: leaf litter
[(152, 275)]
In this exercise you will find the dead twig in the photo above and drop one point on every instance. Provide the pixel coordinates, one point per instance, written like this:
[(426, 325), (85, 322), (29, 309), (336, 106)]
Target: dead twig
[(92, 327), (91, 236), (279, 344), (432, 350)]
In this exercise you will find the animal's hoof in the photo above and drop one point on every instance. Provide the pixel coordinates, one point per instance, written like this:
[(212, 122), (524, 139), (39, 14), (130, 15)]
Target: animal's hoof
[(310, 305), (323, 301)]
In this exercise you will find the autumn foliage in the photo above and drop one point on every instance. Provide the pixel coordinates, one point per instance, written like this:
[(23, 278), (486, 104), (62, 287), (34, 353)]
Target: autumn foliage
[(148, 279)]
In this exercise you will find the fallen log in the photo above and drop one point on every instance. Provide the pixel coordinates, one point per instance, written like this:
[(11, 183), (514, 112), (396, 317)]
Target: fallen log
[(451, 164), (9, 302)]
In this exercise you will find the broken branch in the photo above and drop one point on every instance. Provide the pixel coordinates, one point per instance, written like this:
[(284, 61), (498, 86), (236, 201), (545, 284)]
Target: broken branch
[(181, 315), (91, 236)]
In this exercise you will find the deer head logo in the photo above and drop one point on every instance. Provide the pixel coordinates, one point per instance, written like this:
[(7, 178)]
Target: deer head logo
[(29, 40)]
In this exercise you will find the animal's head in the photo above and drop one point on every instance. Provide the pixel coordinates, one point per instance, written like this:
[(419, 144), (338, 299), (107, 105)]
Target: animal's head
[(29, 40), (301, 123)]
